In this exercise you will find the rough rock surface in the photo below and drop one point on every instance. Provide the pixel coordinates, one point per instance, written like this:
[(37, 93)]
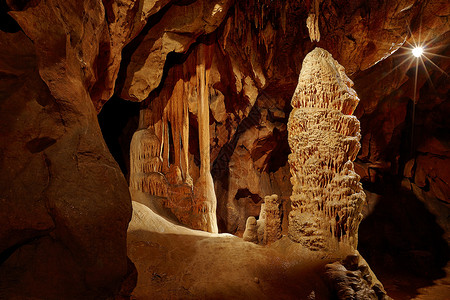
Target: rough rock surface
[(171, 34), (352, 278), (324, 138), (64, 204)]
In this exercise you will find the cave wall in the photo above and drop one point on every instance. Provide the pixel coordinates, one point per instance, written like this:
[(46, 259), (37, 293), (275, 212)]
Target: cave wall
[(65, 204), (418, 163)]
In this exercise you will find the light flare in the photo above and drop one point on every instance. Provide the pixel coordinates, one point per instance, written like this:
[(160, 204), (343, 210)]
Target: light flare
[(419, 54), (417, 51)]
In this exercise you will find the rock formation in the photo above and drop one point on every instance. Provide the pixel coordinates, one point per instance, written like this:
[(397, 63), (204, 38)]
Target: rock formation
[(205, 193), (312, 22), (159, 151), (324, 140), (64, 203), (171, 34), (251, 230), (146, 164), (267, 229), (352, 278), (272, 228)]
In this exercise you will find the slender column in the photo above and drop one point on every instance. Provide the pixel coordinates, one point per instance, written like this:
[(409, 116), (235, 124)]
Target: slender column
[(185, 136), (205, 183)]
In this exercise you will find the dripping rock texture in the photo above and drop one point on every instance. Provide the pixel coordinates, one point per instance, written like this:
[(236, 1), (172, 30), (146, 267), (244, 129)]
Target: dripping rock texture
[(324, 140)]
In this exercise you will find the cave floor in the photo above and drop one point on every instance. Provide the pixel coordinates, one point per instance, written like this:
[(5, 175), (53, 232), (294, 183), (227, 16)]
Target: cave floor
[(174, 262)]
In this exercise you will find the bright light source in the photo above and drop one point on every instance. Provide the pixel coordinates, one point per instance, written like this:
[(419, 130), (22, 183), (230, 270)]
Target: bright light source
[(417, 52)]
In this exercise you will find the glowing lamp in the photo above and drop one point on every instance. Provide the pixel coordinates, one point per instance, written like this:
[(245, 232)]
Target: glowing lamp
[(417, 52)]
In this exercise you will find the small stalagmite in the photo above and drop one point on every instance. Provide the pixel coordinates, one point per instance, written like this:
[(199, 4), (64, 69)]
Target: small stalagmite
[(267, 229), (324, 139), (272, 228), (251, 230), (254, 229)]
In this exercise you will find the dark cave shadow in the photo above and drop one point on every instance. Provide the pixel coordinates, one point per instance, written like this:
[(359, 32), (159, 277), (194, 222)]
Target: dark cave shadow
[(118, 121), (402, 243)]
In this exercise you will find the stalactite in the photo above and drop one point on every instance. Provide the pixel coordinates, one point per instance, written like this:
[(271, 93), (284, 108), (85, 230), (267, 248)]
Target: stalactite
[(324, 140), (312, 22), (166, 143), (175, 116), (163, 169), (226, 33)]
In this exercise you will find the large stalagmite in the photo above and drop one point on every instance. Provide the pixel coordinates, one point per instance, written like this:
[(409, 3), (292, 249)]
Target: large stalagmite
[(324, 141)]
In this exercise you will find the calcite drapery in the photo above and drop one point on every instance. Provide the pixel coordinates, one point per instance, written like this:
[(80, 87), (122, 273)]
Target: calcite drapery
[(324, 140), (159, 149), (146, 163)]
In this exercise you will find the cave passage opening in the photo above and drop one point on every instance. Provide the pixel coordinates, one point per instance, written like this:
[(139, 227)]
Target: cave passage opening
[(118, 121)]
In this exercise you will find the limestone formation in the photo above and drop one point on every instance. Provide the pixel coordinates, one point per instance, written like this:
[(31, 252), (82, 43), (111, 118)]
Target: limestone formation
[(146, 164), (272, 228), (261, 224), (352, 278), (312, 22), (267, 229), (171, 34), (205, 193), (324, 140), (159, 151), (64, 204), (251, 230)]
